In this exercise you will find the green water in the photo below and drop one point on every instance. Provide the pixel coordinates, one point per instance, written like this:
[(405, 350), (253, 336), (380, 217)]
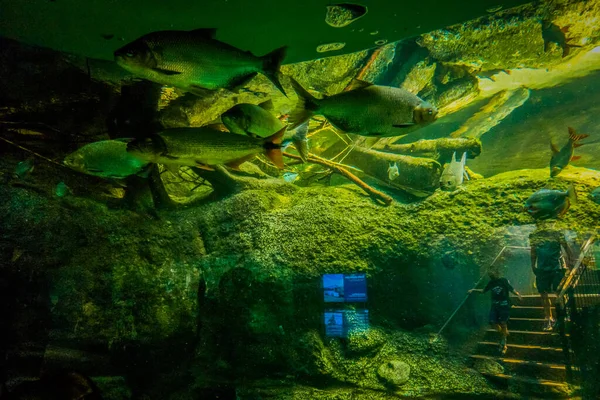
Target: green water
[(151, 271)]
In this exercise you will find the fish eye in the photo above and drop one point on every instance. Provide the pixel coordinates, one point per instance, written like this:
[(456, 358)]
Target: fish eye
[(130, 53), (430, 112)]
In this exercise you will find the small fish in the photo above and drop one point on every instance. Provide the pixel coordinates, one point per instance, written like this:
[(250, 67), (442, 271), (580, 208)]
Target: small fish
[(393, 172), (62, 189), (196, 62), (205, 147), (300, 140), (453, 175), (561, 158), (257, 121), (107, 36), (595, 195), (546, 203), (24, 168), (366, 109), (290, 176), (106, 159), (552, 33)]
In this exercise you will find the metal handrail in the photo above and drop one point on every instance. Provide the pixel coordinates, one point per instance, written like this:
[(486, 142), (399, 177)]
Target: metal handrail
[(462, 303), (570, 280)]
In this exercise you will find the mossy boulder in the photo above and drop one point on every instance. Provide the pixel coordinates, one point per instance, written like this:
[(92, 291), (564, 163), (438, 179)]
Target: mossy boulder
[(394, 373)]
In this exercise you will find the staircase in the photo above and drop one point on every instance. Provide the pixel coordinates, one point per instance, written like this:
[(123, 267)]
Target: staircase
[(534, 364)]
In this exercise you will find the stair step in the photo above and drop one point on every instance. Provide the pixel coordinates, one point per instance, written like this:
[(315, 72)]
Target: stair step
[(527, 324), (535, 338), (527, 311), (538, 387), (584, 288), (531, 300), (543, 382), (524, 352), (529, 369)]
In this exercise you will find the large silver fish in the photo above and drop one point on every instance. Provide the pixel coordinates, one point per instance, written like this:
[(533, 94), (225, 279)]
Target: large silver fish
[(205, 147), (366, 109), (195, 61), (106, 159)]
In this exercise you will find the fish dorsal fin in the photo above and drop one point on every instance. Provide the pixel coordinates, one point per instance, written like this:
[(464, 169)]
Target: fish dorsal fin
[(554, 148), (453, 158), (267, 105), (358, 84), (205, 33)]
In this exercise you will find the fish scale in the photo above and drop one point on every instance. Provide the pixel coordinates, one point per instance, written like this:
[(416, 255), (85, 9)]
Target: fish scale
[(205, 146), (195, 61), (366, 109)]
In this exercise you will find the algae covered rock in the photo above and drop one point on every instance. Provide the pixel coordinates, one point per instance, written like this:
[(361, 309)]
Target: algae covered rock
[(341, 15), (394, 373), (488, 366)]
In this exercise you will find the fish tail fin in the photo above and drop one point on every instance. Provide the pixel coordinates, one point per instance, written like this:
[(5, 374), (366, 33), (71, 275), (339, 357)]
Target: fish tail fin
[(463, 159), (575, 137), (572, 194), (305, 107), (272, 145), (301, 146), (271, 64)]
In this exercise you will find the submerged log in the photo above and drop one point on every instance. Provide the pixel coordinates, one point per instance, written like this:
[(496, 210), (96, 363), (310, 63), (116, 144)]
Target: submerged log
[(340, 169), (438, 148), (415, 174)]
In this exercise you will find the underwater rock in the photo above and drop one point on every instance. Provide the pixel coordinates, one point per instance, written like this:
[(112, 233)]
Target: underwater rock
[(419, 174), (340, 71), (499, 107), (394, 373), (340, 15), (455, 95), (436, 148), (419, 76), (488, 366), (489, 42), (324, 48)]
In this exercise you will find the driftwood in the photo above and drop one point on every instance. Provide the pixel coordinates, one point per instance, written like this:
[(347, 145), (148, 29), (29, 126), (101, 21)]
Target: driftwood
[(225, 183), (438, 148), (418, 175), (340, 169)]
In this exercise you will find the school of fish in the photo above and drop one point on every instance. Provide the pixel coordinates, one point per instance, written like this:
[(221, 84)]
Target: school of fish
[(195, 61)]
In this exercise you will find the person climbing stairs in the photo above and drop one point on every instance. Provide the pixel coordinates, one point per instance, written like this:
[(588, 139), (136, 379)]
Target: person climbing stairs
[(534, 363)]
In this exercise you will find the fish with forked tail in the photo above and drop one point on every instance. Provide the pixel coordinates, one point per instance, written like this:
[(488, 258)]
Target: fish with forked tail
[(547, 203), (196, 62), (257, 121), (561, 158), (205, 147), (454, 173), (366, 109)]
